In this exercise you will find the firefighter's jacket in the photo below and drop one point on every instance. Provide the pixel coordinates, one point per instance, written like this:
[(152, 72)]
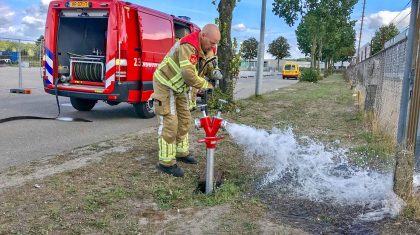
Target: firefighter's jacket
[(178, 70)]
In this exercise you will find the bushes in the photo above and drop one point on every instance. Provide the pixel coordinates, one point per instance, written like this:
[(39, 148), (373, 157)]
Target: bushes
[(310, 75)]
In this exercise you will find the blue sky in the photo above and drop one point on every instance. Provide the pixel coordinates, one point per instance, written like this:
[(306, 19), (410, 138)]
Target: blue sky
[(25, 18)]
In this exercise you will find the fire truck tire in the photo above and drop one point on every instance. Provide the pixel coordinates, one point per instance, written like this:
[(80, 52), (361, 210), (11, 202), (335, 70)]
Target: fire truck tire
[(82, 104), (112, 103), (144, 109)]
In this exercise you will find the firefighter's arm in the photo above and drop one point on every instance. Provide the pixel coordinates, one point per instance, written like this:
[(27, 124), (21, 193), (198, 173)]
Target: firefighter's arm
[(211, 70), (187, 61), (208, 69)]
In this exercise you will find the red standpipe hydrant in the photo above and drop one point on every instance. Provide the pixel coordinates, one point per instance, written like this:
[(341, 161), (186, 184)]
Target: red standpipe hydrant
[(211, 126)]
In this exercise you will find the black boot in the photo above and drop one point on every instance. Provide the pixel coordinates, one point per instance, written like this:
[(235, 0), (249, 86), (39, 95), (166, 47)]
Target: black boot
[(189, 159), (172, 170)]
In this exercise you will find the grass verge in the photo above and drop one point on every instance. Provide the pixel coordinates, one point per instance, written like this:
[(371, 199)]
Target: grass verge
[(124, 194)]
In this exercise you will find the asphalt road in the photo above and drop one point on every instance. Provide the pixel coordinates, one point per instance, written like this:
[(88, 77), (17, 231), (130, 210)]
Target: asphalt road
[(27, 140)]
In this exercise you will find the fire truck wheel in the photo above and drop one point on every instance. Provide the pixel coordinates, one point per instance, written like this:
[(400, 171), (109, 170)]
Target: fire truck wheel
[(82, 104), (112, 103), (144, 109)]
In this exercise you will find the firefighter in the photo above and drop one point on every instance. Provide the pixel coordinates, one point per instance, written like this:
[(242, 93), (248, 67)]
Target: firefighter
[(171, 83)]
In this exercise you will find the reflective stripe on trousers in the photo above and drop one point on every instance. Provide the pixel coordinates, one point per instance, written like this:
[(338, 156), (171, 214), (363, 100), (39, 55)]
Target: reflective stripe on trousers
[(173, 129), (183, 146), (167, 152)]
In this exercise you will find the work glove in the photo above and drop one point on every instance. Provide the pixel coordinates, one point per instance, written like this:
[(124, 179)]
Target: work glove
[(217, 74)]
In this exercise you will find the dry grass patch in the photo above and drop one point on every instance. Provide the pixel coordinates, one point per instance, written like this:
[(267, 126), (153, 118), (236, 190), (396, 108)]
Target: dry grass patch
[(125, 194), (122, 192)]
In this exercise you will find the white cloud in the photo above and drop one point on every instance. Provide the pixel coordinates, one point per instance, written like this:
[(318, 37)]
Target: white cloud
[(32, 21), (45, 2), (239, 27), (376, 20), (12, 31), (242, 28), (6, 16), (26, 23), (8, 28)]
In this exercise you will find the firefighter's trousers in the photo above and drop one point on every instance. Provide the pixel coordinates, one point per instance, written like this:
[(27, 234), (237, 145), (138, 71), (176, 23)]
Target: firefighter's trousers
[(174, 117)]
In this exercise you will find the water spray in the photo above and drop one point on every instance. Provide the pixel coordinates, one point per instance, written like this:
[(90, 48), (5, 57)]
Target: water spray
[(211, 126), (310, 170)]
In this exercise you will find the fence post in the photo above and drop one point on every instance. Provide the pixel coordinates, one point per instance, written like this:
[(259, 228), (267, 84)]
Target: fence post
[(41, 49), (20, 63), (405, 95), (20, 89), (404, 168)]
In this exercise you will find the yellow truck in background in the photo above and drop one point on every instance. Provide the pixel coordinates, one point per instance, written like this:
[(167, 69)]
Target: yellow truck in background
[(291, 70)]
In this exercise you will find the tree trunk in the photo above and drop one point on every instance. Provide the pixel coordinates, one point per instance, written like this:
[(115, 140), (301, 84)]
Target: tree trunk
[(332, 65), (225, 53), (319, 55), (327, 63), (278, 64), (313, 51)]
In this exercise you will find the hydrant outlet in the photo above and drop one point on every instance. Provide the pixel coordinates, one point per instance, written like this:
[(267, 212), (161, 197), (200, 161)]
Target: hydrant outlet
[(197, 123)]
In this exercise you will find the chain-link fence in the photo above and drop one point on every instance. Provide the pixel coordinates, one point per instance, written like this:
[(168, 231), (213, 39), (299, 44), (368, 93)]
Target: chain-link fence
[(28, 51), (20, 58), (378, 81)]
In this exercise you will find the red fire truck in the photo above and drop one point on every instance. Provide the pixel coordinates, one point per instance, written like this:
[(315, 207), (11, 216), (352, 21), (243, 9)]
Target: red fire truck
[(107, 50)]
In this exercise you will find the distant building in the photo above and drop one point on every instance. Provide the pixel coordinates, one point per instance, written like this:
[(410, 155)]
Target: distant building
[(270, 65)]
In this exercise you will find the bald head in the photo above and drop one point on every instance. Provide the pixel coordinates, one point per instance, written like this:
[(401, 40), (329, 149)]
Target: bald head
[(209, 37), (211, 29)]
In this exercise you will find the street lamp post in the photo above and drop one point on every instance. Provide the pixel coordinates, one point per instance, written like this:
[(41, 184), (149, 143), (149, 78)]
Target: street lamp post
[(261, 47)]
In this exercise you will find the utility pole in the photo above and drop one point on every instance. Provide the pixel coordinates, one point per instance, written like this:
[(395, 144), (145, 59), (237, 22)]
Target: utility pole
[(405, 95), (361, 29), (414, 116), (261, 47), (404, 167), (20, 64)]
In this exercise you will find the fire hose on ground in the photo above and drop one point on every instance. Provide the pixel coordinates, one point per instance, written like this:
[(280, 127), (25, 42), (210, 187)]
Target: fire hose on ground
[(58, 118)]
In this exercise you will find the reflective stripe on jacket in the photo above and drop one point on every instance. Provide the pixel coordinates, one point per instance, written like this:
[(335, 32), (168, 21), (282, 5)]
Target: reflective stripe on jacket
[(178, 69)]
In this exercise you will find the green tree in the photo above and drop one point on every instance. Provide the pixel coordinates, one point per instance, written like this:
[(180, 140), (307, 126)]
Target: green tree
[(383, 34), (307, 34), (8, 46), (225, 49), (290, 10), (279, 48), (322, 26), (339, 42), (249, 49)]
